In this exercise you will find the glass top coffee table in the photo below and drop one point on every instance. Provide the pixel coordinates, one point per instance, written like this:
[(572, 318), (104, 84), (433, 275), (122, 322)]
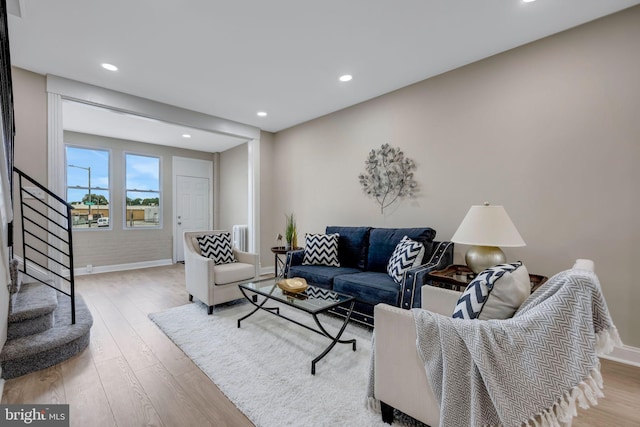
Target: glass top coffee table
[(313, 301)]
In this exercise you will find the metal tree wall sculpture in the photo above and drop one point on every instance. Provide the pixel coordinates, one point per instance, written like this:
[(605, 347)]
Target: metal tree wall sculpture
[(388, 176)]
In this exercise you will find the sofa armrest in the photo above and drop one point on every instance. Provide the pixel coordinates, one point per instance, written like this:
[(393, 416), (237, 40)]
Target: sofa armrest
[(415, 278), (400, 376), (293, 258)]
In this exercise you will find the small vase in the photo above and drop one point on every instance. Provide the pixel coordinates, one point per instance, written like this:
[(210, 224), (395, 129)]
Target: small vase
[(287, 246)]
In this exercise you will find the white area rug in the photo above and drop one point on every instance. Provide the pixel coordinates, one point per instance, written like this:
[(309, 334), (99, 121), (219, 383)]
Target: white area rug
[(264, 367)]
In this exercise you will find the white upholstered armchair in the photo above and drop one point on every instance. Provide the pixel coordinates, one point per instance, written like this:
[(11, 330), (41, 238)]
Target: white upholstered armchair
[(400, 378), (215, 284), (548, 316)]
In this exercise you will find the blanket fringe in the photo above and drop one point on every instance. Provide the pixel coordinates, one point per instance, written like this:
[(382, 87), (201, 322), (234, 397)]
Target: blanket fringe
[(561, 413), (607, 339)]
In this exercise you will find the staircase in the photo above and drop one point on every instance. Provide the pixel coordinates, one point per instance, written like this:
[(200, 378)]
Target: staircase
[(48, 323)]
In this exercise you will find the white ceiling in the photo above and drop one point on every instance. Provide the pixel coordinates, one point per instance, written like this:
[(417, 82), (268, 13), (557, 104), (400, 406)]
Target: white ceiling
[(93, 120), (232, 59)]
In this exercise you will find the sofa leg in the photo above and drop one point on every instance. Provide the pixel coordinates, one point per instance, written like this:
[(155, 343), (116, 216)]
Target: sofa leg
[(210, 309), (190, 297), (387, 413)]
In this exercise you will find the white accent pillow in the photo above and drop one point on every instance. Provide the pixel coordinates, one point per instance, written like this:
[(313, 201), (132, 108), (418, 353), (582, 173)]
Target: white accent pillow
[(217, 247), (495, 293), (321, 249), (407, 254)]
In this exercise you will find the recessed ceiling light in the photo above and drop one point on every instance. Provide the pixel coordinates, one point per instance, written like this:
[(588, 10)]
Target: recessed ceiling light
[(186, 135), (262, 114), (345, 78), (109, 67), (528, 1)]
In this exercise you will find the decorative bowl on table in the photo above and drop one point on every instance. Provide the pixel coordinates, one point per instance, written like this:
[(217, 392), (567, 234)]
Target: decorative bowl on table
[(293, 285)]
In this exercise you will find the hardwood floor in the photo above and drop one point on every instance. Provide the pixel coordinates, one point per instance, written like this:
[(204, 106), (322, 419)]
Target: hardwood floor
[(133, 375)]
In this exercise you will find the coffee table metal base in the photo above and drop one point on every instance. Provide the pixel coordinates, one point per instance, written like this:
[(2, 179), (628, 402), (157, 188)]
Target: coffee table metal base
[(321, 329)]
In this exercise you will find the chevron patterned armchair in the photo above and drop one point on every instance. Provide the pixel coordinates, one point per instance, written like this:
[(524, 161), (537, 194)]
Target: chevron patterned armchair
[(401, 381), (214, 283)]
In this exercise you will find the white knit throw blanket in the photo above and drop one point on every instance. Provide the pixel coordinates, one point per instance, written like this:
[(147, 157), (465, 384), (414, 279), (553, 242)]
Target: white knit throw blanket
[(532, 369)]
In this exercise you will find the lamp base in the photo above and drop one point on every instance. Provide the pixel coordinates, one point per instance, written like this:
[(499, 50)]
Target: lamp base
[(479, 258)]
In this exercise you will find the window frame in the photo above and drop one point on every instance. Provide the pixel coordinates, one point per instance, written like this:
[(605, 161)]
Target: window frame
[(108, 189), (126, 191)]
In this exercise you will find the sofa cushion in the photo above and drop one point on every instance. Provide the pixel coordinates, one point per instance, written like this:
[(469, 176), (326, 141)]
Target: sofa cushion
[(383, 241), (407, 254), (319, 275), (368, 287), (352, 245), (217, 247), (495, 293), (321, 249)]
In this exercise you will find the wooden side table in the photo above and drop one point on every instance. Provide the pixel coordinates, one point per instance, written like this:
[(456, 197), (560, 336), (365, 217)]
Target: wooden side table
[(457, 277)]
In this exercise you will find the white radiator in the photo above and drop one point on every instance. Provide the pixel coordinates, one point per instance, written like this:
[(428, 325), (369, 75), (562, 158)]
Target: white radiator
[(240, 237)]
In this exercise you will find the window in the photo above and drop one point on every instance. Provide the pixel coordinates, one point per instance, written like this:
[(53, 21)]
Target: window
[(88, 186), (143, 207)]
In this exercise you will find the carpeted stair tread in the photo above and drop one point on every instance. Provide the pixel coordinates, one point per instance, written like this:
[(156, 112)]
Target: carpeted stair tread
[(34, 352), (33, 300)]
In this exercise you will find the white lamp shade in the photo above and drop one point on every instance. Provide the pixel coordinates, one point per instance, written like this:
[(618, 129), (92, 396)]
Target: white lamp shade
[(488, 226)]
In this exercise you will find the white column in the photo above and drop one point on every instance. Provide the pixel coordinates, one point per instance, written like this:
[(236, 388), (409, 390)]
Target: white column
[(253, 204), (55, 136), (56, 172)]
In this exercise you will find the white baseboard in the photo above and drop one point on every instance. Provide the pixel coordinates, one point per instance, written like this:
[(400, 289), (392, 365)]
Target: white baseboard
[(266, 270), (35, 271), (32, 271), (625, 354), (122, 267)]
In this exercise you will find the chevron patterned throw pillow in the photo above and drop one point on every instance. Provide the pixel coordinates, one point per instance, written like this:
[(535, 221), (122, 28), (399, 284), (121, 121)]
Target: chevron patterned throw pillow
[(217, 247), (321, 249), (495, 293), (407, 254)]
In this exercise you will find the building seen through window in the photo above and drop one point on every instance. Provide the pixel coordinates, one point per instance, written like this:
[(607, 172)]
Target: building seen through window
[(143, 198), (87, 174)]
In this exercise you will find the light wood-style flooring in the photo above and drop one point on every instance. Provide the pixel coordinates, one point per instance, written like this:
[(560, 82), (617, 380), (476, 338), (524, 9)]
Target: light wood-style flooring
[(133, 375)]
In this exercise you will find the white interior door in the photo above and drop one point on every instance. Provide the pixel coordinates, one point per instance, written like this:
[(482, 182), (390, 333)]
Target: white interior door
[(192, 209)]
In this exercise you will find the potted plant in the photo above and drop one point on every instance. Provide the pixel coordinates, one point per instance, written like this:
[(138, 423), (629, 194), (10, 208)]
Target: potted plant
[(290, 232)]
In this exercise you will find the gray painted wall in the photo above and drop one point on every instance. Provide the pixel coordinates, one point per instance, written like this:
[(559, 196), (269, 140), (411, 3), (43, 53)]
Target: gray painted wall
[(234, 179), (550, 130)]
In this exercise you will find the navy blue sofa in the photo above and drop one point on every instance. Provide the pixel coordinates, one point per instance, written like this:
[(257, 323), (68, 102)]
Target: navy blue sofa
[(364, 253)]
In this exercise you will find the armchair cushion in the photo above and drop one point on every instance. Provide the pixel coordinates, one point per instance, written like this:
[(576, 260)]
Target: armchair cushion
[(321, 249), (407, 254), (217, 247), (495, 293), (233, 272)]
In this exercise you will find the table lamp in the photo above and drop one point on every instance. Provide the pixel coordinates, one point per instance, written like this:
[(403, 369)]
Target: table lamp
[(485, 228)]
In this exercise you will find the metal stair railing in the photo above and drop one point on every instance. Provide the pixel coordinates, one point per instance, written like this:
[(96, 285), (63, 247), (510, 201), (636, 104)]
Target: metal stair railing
[(46, 236)]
